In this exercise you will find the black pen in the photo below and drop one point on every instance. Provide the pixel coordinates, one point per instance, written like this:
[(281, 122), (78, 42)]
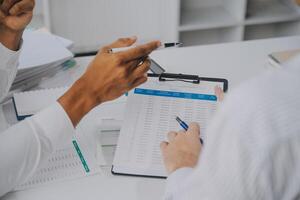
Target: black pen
[(185, 126)]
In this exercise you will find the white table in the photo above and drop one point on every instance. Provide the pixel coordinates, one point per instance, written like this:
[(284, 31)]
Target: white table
[(236, 62)]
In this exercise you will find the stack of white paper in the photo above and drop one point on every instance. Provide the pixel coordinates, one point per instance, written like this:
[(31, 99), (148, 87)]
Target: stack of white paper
[(42, 55)]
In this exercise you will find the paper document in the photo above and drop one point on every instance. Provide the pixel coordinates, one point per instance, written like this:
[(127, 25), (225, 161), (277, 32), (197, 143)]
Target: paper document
[(75, 160), (40, 49), (150, 114)]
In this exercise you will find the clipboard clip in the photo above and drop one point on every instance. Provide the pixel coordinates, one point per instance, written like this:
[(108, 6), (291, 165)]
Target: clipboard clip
[(180, 77)]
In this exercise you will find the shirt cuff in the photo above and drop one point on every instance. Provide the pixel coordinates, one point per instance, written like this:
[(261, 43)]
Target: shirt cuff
[(8, 68), (7, 55), (175, 180), (55, 125)]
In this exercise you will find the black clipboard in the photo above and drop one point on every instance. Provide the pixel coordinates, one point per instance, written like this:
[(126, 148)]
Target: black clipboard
[(192, 79), (195, 79)]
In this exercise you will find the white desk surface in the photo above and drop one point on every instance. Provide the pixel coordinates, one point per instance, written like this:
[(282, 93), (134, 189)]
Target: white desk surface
[(236, 62)]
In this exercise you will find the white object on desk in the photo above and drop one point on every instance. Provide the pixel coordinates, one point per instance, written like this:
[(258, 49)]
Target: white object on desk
[(278, 58), (31, 102), (64, 164), (40, 49), (42, 55), (150, 114), (236, 62), (64, 41), (96, 188)]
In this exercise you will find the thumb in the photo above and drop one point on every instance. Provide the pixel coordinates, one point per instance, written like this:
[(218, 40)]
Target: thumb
[(2, 16), (194, 129), (163, 147)]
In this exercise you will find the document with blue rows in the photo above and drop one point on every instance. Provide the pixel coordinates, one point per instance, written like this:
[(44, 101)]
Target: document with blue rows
[(150, 114)]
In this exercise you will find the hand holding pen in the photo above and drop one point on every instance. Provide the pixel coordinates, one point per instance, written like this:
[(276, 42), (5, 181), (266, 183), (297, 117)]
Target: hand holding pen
[(182, 148), (185, 126)]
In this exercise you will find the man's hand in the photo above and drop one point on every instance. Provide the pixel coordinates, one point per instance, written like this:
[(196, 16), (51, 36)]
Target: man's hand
[(183, 149), (15, 15), (111, 75), (108, 77)]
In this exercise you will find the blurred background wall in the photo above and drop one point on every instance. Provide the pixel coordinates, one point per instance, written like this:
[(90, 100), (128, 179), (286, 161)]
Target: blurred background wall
[(92, 23)]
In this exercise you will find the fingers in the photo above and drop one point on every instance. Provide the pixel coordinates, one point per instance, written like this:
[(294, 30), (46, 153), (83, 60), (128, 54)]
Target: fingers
[(122, 42), (139, 75), (219, 93), (22, 7), (132, 65), (139, 51), (7, 5), (163, 146), (2, 16), (142, 69), (172, 135), (194, 129), (138, 82)]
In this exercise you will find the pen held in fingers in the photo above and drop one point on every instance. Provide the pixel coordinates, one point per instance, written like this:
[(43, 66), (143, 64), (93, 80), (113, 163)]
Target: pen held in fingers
[(139, 51), (163, 46), (185, 126)]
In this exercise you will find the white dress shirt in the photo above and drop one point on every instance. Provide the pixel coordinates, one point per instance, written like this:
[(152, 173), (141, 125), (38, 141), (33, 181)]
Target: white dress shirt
[(8, 69), (252, 149), (24, 146)]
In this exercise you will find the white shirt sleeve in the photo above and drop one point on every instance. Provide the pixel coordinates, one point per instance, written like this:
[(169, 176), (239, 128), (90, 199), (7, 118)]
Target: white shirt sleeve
[(27, 144), (8, 69), (175, 180), (252, 145)]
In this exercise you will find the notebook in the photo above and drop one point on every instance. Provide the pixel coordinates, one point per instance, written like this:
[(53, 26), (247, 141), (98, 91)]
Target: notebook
[(31, 102), (150, 114)]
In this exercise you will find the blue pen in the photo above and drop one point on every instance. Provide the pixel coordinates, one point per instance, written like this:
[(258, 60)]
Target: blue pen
[(185, 126)]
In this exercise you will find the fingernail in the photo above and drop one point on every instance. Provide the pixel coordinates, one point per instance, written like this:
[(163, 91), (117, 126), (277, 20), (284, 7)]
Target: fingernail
[(159, 43)]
